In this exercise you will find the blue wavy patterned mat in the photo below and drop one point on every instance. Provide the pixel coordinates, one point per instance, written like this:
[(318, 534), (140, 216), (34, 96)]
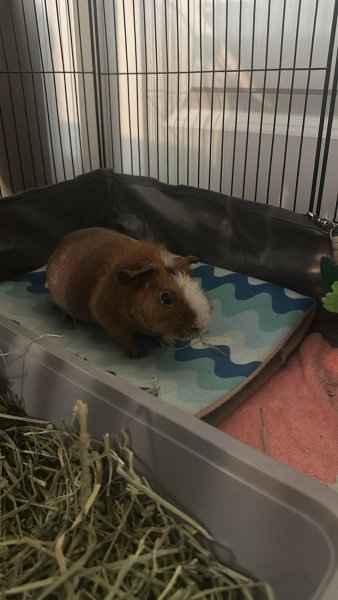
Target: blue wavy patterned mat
[(251, 320)]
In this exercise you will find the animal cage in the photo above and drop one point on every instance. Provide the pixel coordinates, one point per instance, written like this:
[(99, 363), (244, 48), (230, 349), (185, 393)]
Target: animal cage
[(233, 104), (236, 96)]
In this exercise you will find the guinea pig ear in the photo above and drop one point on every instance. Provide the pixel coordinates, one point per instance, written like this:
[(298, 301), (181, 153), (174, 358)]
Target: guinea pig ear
[(183, 262), (191, 260), (137, 276)]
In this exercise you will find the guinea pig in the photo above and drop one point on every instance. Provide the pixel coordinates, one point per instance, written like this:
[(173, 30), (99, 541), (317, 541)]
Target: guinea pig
[(127, 286)]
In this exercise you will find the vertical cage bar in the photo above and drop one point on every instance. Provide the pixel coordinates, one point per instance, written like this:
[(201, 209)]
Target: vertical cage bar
[(76, 87), (167, 80), (65, 88), (178, 97), (146, 83), (276, 103), (237, 95), (212, 90), (55, 92), (250, 96), (128, 86), (188, 98), (7, 155), (23, 97), (97, 75), (335, 210), (96, 99), (200, 97), (305, 104), (34, 94), (137, 92), (118, 86), (157, 97), (84, 86), (327, 137), (266, 60), (109, 83), (224, 92), (323, 108), (290, 101), (51, 146), (13, 112)]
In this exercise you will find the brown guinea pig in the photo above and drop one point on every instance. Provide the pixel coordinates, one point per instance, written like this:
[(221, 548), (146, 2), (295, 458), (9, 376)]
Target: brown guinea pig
[(127, 286)]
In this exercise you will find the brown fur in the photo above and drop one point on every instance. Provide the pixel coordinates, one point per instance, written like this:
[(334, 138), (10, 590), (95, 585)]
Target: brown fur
[(100, 275)]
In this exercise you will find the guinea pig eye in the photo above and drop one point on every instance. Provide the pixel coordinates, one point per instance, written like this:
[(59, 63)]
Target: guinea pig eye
[(166, 298), (172, 271)]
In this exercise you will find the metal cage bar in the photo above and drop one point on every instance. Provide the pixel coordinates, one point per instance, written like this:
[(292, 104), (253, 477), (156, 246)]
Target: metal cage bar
[(323, 109), (191, 93)]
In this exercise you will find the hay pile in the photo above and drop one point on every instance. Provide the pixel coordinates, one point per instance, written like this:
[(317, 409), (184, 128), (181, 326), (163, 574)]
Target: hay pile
[(77, 522)]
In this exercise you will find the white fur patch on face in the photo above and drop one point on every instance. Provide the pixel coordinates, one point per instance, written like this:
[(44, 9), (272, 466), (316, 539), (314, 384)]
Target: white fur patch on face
[(196, 299)]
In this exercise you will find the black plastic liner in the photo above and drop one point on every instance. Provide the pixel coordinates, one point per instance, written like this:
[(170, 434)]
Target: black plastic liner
[(260, 240)]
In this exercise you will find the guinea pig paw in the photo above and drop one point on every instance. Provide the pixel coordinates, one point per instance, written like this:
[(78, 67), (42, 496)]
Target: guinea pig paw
[(167, 341), (134, 351), (69, 321)]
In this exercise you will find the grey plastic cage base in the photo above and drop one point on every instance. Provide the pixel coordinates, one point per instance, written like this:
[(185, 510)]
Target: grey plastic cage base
[(280, 525)]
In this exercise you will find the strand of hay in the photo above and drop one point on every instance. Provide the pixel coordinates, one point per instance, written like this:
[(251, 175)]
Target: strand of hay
[(264, 432), (29, 344), (200, 339), (77, 521)]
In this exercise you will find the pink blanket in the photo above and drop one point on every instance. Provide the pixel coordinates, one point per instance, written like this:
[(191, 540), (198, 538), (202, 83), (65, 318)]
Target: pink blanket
[(300, 407)]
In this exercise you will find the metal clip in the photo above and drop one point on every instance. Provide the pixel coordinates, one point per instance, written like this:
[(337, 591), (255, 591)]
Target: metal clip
[(327, 225)]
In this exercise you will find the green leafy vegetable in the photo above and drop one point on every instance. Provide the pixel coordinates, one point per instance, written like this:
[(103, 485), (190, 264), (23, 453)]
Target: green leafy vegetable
[(330, 300)]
